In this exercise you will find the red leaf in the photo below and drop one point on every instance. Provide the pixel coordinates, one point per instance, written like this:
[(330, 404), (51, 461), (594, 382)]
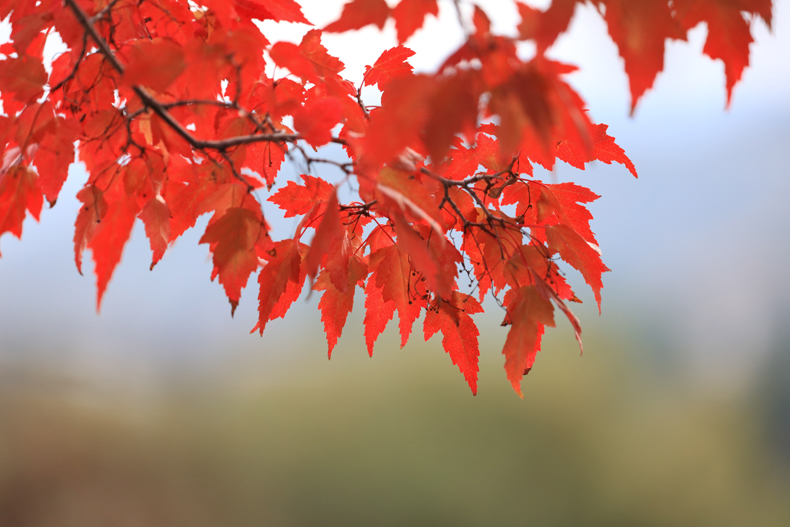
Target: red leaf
[(640, 30), (393, 274), (378, 312), (156, 217), (459, 332), (296, 199), (233, 238), (277, 10), (604, 149), (545, 26), (19, 192), (410, 15), (24, 77), (560, 204), (729, 34), (528, 312), (154, 64), (390, 65), (54, 156), (105, 234), (359, 13), (335, 305), (316, 119), (274, 279), (327, 234), (584, 256)]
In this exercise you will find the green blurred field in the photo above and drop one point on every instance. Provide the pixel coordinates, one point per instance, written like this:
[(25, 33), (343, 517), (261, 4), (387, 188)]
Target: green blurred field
[(393, 440)]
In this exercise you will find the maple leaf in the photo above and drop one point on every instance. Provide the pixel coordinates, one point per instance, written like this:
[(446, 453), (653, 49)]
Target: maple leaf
[(360, 13), (560, 203), (154, 64), (729, 34), (640, 30), (584, 256), (19, 192), (459, 332), (104, 224), (54, 156), (604, 149), (335, 305), (316, 120), (528, 312), (410, 15), (297, 199), (281, 270), (24, 77), (156, 217), (545, 26), (278, 10), (378, 312), (390, 65), (394, 276), (328, 232), (233, 238)]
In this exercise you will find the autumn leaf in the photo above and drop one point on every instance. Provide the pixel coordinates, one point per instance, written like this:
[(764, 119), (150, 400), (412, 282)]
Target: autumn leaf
[(156, 218), (378, 312), (24, 77), (527, 314), (154, 64), (232, 238), (316, 120), (336, 305), (327, 234), (640, 30), (297, 199), (104, 225), (410, 15), (390, 65), (360, 13), (19, 194), (459, 332), (274, 279), (277, 10), (729, 34), (584, 256)]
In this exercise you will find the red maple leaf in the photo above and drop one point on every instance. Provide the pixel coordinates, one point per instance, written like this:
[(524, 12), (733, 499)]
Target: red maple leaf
[(528, 312), (390, 65), (360, 13), (459, 332), (410, 15)]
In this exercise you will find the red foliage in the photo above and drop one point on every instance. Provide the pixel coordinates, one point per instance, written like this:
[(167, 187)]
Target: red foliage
[(175, 116)]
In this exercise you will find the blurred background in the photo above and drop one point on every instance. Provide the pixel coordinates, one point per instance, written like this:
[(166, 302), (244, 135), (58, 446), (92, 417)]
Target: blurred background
[(164, 411)]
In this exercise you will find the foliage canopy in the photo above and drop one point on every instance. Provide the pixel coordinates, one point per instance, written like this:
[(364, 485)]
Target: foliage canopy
[(179, 109)]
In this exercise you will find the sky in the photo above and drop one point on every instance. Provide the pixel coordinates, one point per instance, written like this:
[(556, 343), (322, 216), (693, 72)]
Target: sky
[(697, 244)]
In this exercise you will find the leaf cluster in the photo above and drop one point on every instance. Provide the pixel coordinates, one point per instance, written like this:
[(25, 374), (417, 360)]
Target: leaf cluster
[(179, 109)]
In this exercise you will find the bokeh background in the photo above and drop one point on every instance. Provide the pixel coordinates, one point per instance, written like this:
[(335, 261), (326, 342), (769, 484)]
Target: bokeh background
[(164, 411)]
